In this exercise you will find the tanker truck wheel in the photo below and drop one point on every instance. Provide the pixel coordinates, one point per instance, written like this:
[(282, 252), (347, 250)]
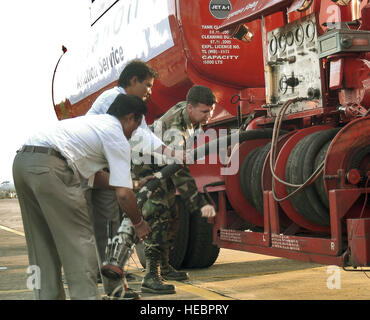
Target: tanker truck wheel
[(177, 253), (201, 252)]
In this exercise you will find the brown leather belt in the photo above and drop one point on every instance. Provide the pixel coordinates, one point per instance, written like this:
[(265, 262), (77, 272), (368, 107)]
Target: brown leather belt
[(38, 149)]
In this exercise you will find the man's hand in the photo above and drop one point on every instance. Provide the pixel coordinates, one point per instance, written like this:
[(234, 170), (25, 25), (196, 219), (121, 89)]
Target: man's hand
[(208, 211), (142, 229), (139, 184), (127, 201)]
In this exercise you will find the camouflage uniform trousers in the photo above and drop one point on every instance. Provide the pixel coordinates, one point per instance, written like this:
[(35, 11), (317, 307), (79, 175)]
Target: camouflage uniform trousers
[(161, 214)]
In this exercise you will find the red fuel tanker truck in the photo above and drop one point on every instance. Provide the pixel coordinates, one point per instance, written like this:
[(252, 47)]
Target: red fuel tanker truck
[(294, 75)]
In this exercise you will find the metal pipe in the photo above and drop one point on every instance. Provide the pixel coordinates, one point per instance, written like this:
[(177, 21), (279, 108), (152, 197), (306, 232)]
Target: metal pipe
[(356, 6)]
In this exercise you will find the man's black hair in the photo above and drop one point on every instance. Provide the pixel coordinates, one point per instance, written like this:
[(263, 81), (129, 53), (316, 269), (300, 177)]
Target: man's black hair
[(200, 94), (124, 104), (135, 68)]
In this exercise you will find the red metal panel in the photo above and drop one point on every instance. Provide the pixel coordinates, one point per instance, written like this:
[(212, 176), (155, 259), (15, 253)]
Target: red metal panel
[(285, 253), (336, 74), (359, 241), (306, 247), (214, 55), (349, 140), (207, 173)]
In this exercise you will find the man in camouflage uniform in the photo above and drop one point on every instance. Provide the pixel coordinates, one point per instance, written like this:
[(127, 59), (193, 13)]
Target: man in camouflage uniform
[(178, 125)]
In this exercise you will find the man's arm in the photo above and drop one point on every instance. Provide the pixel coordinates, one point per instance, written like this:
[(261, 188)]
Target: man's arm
[(101, 180), (188, 190), (127, 201)]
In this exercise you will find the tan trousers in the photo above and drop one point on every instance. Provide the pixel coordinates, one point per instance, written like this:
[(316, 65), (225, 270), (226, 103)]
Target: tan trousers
[(105, 208), (58, 227)]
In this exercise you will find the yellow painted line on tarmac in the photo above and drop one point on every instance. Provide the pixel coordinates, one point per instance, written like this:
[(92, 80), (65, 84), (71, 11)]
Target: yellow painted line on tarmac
[(28, 290), (182, 286), (204, 293), (12, 230), (15, 291)]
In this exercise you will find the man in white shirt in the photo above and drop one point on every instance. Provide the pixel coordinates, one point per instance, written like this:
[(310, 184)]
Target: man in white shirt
[(56, 219), (137, 78)]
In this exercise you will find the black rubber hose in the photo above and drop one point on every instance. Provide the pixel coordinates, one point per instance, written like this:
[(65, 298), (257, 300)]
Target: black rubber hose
[(203, 150), (357, 157), (198, 153), (319, 183), (256, 177), (300, 166), (308, 168), (293, 175), (245, 175)]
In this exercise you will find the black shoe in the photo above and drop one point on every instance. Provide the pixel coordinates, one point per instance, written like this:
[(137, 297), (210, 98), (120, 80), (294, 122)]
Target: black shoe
[(129, 294), (172, 274), (167, 271), (152, 284)]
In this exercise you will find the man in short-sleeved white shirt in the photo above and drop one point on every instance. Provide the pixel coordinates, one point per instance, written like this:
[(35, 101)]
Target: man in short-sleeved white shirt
[(137, 78), (143, 134), (56, 219), (91, 144)]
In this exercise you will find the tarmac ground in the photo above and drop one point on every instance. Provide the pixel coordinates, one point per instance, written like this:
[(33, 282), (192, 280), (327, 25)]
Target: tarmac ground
[(235, 275)]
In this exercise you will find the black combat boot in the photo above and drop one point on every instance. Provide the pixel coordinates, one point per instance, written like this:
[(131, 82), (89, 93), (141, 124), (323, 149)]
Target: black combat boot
[(167, 271), (152, 282)]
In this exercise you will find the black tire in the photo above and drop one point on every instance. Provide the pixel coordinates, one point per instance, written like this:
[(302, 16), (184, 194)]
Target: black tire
[(256, 177), (177, 253), (201, 252)]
